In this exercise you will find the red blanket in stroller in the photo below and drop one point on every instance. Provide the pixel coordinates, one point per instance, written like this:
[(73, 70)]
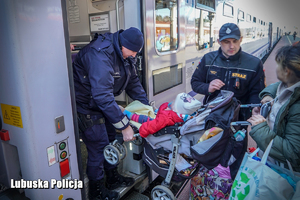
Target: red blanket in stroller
[(163, 118)]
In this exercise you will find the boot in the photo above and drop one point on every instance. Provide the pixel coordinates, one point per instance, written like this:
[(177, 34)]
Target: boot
[(115, 180), (98, 191)]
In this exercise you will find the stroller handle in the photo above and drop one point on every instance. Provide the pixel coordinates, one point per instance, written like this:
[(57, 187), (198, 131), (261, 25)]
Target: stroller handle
[(240, 123), (252, 105), (265, 108)]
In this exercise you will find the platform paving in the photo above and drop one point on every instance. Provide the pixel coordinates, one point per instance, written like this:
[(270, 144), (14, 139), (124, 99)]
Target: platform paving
[(270, 64)]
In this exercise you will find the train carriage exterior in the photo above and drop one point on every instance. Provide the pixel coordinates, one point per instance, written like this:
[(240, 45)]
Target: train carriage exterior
[(37, 95), (179, 33)]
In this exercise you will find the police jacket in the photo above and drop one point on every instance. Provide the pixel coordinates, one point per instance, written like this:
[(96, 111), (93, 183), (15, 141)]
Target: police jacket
[(100, 73), (241, 68)]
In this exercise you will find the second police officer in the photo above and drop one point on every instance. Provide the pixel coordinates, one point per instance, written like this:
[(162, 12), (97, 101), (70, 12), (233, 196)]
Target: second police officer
[(230, 68), (102, 70)]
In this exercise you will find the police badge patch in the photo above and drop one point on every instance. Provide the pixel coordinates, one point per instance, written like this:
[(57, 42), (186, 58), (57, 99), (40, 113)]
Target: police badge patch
[(228, 31)]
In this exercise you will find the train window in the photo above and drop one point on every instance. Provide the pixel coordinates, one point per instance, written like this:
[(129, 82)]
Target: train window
[(166, 78), (248, 18), (208, 5), (166, 25), (254, 19), (202, 29), (241, 15), (228, 10)]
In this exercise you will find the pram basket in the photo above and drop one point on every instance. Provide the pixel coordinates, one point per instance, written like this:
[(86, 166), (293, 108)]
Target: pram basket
[(157, 161)]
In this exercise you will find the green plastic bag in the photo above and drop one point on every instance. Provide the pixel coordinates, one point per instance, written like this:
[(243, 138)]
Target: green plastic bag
[(256, 180)]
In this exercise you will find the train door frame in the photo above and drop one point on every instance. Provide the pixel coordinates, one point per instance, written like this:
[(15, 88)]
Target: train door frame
[(42, 130), (73, 99)]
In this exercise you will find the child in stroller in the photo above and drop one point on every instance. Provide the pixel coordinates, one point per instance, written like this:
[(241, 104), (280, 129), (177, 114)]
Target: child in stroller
[(180, 110)]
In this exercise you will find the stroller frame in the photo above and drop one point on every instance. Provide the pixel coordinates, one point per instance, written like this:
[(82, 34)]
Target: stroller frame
[(163, 190), (176, 142), (167, 169)]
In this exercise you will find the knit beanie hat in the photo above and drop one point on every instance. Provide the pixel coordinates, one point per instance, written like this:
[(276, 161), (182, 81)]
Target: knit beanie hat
[(185, 104), (132, 39)]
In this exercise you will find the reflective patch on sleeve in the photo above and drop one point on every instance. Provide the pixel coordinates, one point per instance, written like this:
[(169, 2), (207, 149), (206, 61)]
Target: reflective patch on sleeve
[(121, 124)]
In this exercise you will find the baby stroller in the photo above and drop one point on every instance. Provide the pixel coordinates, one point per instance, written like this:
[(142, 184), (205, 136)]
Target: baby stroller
[(162, 148)]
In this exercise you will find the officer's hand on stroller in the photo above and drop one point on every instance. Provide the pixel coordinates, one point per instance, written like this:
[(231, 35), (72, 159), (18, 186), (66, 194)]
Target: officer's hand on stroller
[(214, 85), (128, 134), (256, 119)]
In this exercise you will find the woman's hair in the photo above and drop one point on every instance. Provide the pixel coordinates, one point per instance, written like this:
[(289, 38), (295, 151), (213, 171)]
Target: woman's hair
[(289, 56)]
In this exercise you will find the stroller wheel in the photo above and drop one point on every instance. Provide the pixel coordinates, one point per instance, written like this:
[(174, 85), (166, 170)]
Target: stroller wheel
[(112, 154), (122, 150), (160, 192)]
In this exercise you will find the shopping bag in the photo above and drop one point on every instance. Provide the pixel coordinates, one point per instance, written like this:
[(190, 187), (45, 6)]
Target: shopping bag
[(256, 180)]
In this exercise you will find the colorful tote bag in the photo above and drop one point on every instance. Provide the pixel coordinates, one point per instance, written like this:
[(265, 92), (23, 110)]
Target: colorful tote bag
[(211, 184)]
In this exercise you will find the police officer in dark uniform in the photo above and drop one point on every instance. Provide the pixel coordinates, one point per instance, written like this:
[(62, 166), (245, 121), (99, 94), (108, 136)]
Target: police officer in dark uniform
[(103, 69), (231, 69)]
